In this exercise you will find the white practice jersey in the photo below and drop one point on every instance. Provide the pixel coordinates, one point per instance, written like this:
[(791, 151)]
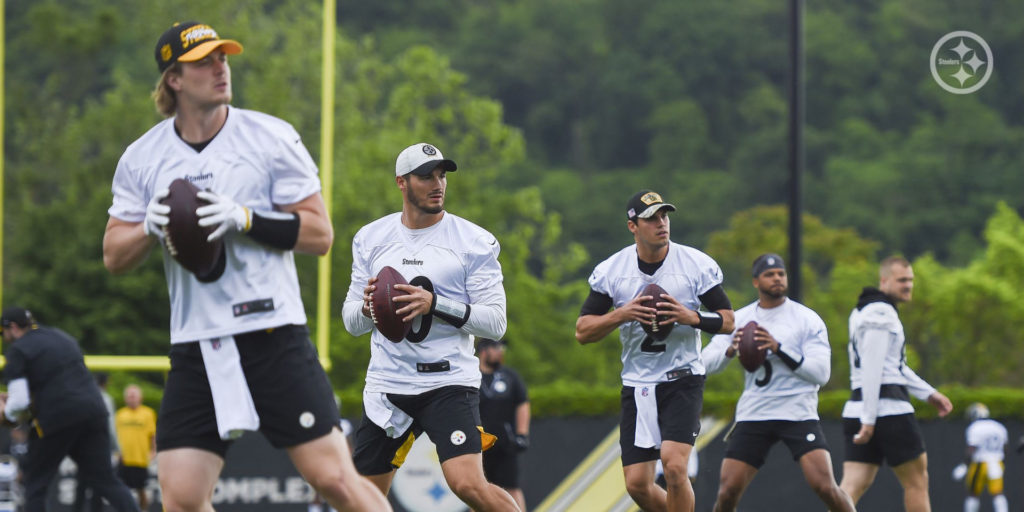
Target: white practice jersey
[(878, 356), (988, 437), (685, 275), (776, 391), (461, 261), (260, 162)]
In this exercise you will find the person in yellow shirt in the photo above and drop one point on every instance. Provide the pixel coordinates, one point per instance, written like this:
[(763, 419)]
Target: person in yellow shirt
[(136, 433)]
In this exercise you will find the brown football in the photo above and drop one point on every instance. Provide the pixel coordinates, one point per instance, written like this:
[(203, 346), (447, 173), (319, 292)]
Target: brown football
[(750, 357), (383, 307), (661, 327), (184, 238)]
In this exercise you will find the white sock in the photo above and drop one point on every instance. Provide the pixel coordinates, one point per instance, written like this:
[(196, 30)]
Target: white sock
[(999, 503), (971, 504)]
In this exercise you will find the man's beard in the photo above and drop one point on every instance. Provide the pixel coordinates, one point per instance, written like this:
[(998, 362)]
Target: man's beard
[(493, 364), (426, 209), (771, 292)]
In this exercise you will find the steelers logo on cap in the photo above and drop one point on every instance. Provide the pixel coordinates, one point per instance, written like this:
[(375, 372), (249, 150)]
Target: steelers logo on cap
[(307, 419), (165, 52), (429, 150)]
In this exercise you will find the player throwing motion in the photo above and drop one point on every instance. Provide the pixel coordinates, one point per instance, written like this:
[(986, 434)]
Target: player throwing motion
[(878, 419), (240, 353), (662, 381), (780, 400), (429, 381), (986, 448)]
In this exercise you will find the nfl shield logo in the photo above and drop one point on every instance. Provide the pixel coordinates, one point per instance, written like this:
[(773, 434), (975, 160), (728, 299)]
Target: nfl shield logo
[(643, 392)]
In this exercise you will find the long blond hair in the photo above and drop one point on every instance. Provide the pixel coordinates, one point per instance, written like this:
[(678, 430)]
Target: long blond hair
[(165, 98)]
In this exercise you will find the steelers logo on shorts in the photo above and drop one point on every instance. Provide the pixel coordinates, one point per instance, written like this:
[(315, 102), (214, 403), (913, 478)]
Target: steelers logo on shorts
[(307, 419), (810, 438), (458, 437)]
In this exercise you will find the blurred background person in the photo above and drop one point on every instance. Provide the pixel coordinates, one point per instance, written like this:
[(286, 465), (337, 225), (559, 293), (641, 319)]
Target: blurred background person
[(136, 432), (505, 412), (986, 448), (82, 490)]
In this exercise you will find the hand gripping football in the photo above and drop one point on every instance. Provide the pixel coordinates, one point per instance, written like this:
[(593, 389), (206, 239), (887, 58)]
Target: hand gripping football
[(750, 357), (184, 238), (661, 327), (383, 307)]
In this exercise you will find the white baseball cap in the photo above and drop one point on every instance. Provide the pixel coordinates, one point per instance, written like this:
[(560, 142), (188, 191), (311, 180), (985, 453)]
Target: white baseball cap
[(422, 158)]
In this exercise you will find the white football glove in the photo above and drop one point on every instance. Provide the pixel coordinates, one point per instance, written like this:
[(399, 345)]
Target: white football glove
[(960, 472), (224, 213), (156, 215)]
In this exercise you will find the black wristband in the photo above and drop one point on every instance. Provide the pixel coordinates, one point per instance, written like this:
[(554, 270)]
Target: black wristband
[(710, 321), (276, 229), (793, 364), (449, 310)]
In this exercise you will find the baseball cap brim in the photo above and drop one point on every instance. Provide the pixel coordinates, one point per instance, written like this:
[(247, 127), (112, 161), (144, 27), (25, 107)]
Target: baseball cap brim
[(429, 166), (651, 210), (228, 46)]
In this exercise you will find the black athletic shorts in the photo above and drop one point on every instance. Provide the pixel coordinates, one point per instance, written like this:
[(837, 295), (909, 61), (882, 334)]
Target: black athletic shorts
[(448, 415), (289, 388), (133, 476), (750, 441), (501, 467), (679, 405), (897, 439)]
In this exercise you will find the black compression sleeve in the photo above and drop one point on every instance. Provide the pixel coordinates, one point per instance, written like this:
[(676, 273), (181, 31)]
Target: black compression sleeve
[(596, 304), (793, 364), (715, 299), (278, 230)]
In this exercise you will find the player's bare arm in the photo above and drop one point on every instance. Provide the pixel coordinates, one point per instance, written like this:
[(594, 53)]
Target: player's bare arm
[(592, 328), (735, 346), (315, 231), (681, 314), (125, 245), (865, 434), (941, 403)]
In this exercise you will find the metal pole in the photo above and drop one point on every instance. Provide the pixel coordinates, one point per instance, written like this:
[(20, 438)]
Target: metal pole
[(323, 295), (796, 146)]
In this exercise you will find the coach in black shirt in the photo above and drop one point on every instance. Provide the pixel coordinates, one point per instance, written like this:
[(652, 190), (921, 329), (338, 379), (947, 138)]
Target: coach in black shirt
[(505, 412), (49, 385)]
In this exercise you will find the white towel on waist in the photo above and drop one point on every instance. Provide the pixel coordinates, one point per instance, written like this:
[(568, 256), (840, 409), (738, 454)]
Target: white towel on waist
[(232, 400), (648, 435), (385, 415)]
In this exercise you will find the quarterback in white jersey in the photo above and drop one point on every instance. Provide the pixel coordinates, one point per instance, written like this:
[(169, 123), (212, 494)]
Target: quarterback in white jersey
[(241, 358), (430, 381), (663, 377), (986, 449), (878, 420), (779, 400)]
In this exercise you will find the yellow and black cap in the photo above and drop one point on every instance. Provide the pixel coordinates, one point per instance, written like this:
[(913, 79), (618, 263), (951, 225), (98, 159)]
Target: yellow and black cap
[(644, 204), (190, 41), (19, 316)]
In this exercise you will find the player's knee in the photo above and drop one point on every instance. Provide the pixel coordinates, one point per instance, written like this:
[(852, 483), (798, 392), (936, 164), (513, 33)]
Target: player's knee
[(675, 473), (469, 490), (638, 488), (177, 501), (337, 490), (729, 494)]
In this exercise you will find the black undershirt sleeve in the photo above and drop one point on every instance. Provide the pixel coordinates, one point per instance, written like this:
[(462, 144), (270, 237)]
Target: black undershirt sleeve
[(715, 299), (597, 303)]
